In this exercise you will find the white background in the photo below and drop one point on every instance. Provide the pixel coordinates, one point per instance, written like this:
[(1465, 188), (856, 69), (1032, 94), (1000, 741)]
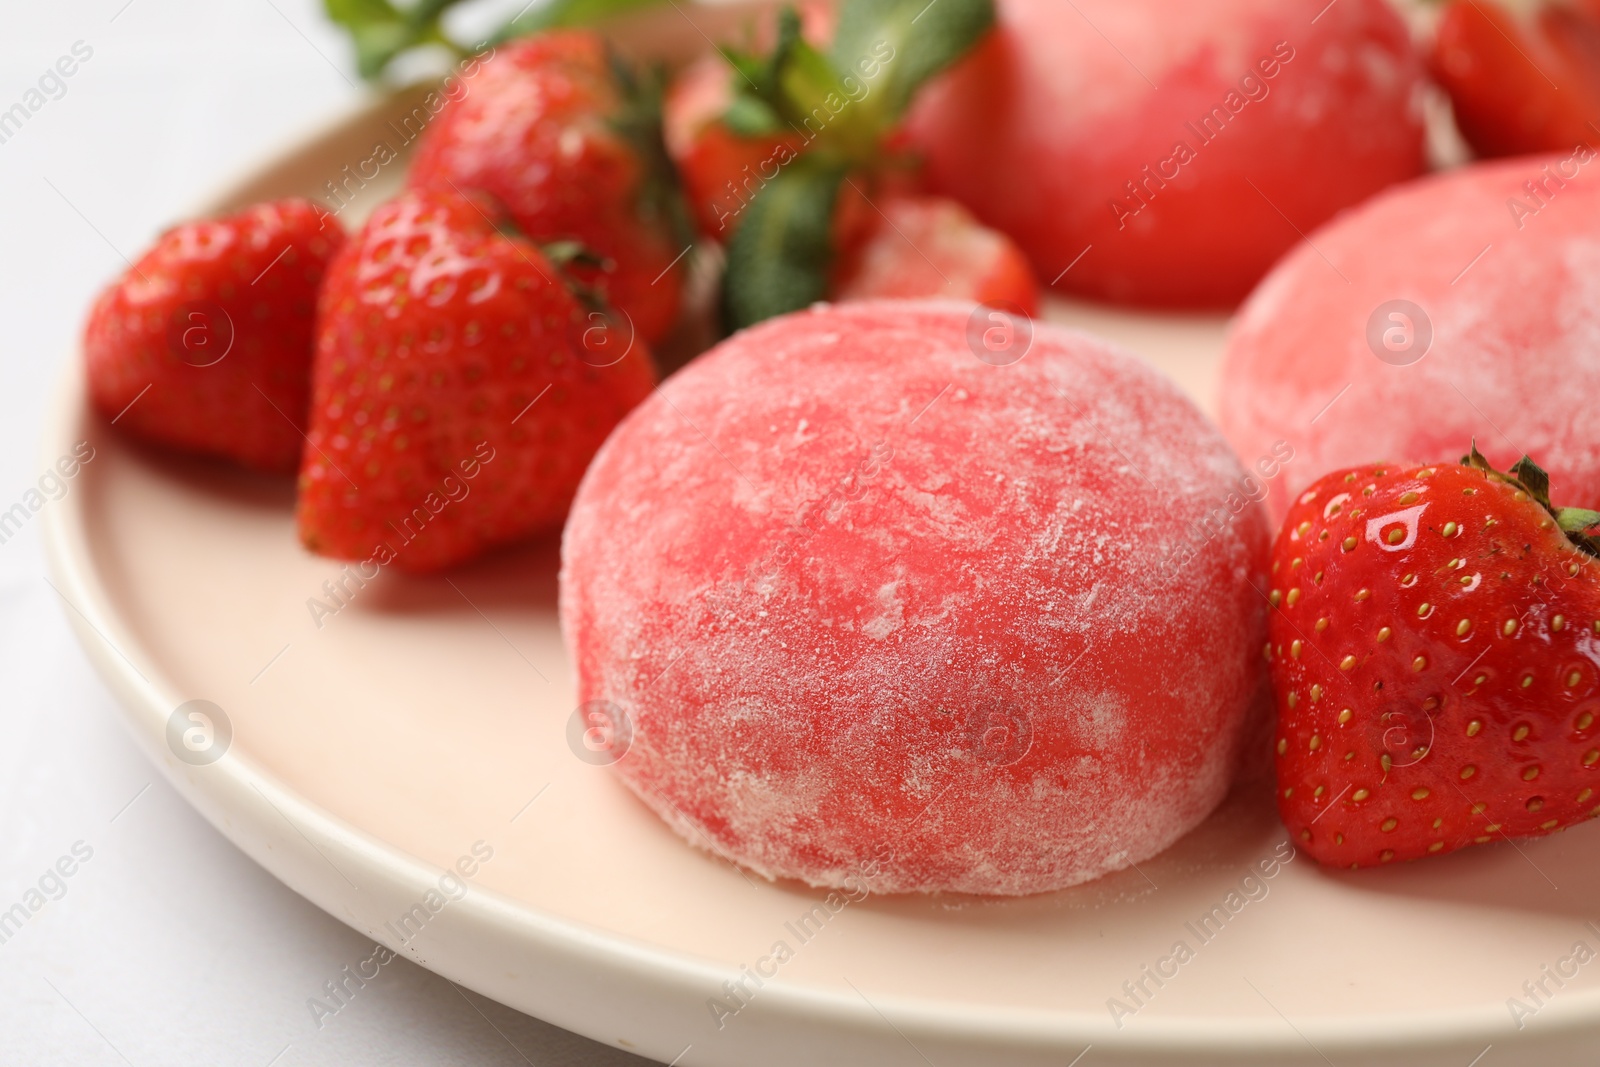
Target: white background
[(169, 946)]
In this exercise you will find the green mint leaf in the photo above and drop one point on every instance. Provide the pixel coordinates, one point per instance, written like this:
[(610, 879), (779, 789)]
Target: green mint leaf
[(891, 47), (560, 14), (778, 259), (376, 30), (356, 12), (790, 80), (381, 31), (802, 92), (1582, 528), (748, 116), (757, 76), (814, 97), (851, 98)]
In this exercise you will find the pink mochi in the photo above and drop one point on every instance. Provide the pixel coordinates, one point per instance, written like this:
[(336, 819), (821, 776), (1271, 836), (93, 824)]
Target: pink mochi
[(1500, 264), (1167, 152), (858, 602)]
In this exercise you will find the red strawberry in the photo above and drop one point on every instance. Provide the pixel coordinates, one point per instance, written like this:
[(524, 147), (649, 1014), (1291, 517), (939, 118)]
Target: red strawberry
[(1432, 661), (791, 157), (460, 389), (930, 246), (553, 128), (890, 242), (721, 170), (205, 344), (1521, 84)]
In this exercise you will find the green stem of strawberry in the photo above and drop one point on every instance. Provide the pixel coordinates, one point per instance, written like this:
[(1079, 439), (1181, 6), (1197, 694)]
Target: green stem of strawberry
[(1578, 521), (845, 103), (1581, 525)]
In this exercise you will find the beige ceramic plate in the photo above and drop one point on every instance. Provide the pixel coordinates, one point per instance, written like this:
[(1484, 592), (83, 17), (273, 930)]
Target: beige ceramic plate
[(424, 725)]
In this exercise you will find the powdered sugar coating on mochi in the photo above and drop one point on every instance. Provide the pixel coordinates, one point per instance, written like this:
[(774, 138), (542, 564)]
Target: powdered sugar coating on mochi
[(824, 558), (1515, 315), (1161, 147)]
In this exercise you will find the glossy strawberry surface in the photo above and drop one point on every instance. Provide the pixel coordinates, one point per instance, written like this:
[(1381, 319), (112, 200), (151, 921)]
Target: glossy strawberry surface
[(1435, 651), (551, 129), (460, 389), (204, 344)]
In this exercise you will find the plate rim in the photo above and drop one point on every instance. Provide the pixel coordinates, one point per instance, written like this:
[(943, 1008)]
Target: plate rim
[(222, 794)]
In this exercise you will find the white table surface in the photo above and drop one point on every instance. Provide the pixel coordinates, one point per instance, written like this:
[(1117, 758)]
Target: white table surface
[(168, 946)]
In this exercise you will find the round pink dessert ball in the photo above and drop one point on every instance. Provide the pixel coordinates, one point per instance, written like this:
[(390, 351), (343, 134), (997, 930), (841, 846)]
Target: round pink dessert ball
[(1169, 151), (865, 603), (1462, 306)]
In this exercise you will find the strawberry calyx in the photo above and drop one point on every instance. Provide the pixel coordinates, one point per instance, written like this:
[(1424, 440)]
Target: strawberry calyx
[(568, 257), (572, 259), (843, 107), (380, 31), (1581, 525), (791, 85), (562, 254), (568, 253), (639, 123)]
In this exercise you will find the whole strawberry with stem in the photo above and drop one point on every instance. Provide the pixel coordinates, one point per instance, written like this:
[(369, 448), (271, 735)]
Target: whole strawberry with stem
[(566, 136), (462, 383), (723, 153), (204, 344), (794, 160), (1434, 646), (886, 240)]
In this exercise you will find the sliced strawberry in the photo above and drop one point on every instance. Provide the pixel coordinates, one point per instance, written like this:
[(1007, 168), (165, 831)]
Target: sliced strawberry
[(204, 345), (933, 247), (1520, 84), (461, 388), (1431, 656), (556, 129)]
